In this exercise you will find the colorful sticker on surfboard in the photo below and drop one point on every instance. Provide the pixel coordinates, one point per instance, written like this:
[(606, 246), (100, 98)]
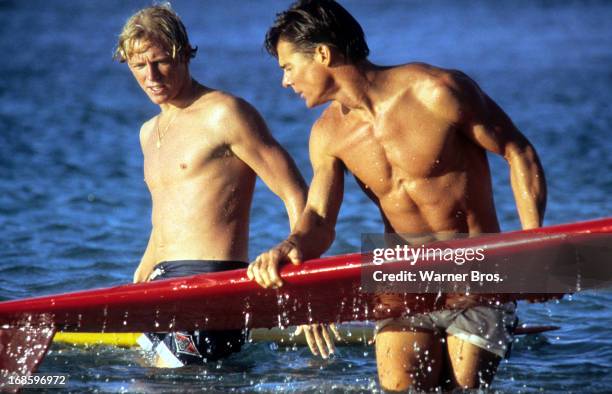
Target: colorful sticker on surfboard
[(184, 344)]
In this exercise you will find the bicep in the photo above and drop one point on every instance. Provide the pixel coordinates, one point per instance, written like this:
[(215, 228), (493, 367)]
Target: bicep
[(327, 186), (251, 141), (261, 153), (253, 144), (247, 133), (489, 127)]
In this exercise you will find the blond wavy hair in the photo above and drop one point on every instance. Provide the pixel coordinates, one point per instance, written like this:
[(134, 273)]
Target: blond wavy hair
[(157, 23)]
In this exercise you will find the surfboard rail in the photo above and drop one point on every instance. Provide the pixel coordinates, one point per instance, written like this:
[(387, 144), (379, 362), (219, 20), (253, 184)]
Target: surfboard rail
[(321, 290), (229, 300)]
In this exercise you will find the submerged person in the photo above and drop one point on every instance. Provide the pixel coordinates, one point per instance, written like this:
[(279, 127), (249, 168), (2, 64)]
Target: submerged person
[(415, 138), (202, 154)]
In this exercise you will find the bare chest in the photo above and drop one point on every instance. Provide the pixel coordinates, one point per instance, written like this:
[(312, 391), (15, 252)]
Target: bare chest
[(396, 148), (181, 157)]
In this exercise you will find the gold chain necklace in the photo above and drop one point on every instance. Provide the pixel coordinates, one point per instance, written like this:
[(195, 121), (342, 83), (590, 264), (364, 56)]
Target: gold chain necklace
[(160, 135)]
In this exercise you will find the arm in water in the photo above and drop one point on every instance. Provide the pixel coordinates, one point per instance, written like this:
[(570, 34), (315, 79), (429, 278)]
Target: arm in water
[(311, 236)]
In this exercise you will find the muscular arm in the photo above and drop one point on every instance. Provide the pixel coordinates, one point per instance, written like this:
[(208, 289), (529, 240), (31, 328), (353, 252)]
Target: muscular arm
[(251, 141), (485, 123), (314, 232), (312, 235)]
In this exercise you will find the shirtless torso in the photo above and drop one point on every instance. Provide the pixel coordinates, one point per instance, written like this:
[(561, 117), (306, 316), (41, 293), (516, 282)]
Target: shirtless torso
[(201, 192), (416, 139), (201, 179), (417, 164), (202, 154)]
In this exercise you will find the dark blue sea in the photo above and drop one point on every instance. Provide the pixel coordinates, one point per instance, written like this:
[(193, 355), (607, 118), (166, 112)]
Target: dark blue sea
[(75, 213)]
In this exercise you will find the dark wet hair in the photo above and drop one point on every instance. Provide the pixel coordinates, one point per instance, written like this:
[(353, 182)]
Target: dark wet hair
[(308, 23)]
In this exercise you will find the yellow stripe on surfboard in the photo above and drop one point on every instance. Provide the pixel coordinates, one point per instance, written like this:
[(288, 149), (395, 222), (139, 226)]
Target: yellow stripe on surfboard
[(122, 339), (350, 335)]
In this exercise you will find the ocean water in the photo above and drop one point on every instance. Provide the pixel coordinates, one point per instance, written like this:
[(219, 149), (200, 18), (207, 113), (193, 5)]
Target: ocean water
[(74, 210)]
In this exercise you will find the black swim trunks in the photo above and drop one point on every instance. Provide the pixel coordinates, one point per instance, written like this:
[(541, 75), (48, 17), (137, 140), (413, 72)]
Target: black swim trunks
[(194, 347)]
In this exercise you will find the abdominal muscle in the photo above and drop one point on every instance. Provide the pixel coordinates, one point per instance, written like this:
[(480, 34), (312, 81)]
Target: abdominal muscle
[(203, 220), (440, 204)]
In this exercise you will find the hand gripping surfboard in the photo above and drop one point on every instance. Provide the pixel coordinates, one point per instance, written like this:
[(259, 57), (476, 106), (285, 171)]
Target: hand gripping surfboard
[(321, 290)]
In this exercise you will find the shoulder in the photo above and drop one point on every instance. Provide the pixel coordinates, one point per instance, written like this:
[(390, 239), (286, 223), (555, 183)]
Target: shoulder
[(148, 125), (446, 93), (327, 123), (146, 129), (428, 75), (325, 128), (228, 116), (222, 106)]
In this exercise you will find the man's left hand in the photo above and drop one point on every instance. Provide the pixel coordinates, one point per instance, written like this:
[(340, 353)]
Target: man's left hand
[(318, 338)]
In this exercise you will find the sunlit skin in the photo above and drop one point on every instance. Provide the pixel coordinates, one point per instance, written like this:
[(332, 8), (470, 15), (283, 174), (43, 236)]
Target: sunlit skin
[(202, 154), (201, 177), (161, 77), (415, 138)]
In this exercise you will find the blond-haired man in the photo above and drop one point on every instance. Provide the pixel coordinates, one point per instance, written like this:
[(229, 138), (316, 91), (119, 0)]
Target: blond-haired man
[(201, 157)]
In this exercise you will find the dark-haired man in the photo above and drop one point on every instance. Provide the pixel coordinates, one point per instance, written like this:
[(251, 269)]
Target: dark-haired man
[(415, 138), (201, 156)]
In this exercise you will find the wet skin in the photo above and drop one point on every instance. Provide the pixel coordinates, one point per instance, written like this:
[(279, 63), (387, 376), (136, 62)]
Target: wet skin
[(415, 138)]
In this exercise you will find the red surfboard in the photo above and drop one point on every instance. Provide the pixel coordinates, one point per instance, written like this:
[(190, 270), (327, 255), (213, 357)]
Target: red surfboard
[(322, 290)]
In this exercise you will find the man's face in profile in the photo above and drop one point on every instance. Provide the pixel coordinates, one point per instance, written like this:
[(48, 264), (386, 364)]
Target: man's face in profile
[(303, 72)]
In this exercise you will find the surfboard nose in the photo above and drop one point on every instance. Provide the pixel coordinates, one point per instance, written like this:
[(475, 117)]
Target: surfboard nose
[(22, 348)]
